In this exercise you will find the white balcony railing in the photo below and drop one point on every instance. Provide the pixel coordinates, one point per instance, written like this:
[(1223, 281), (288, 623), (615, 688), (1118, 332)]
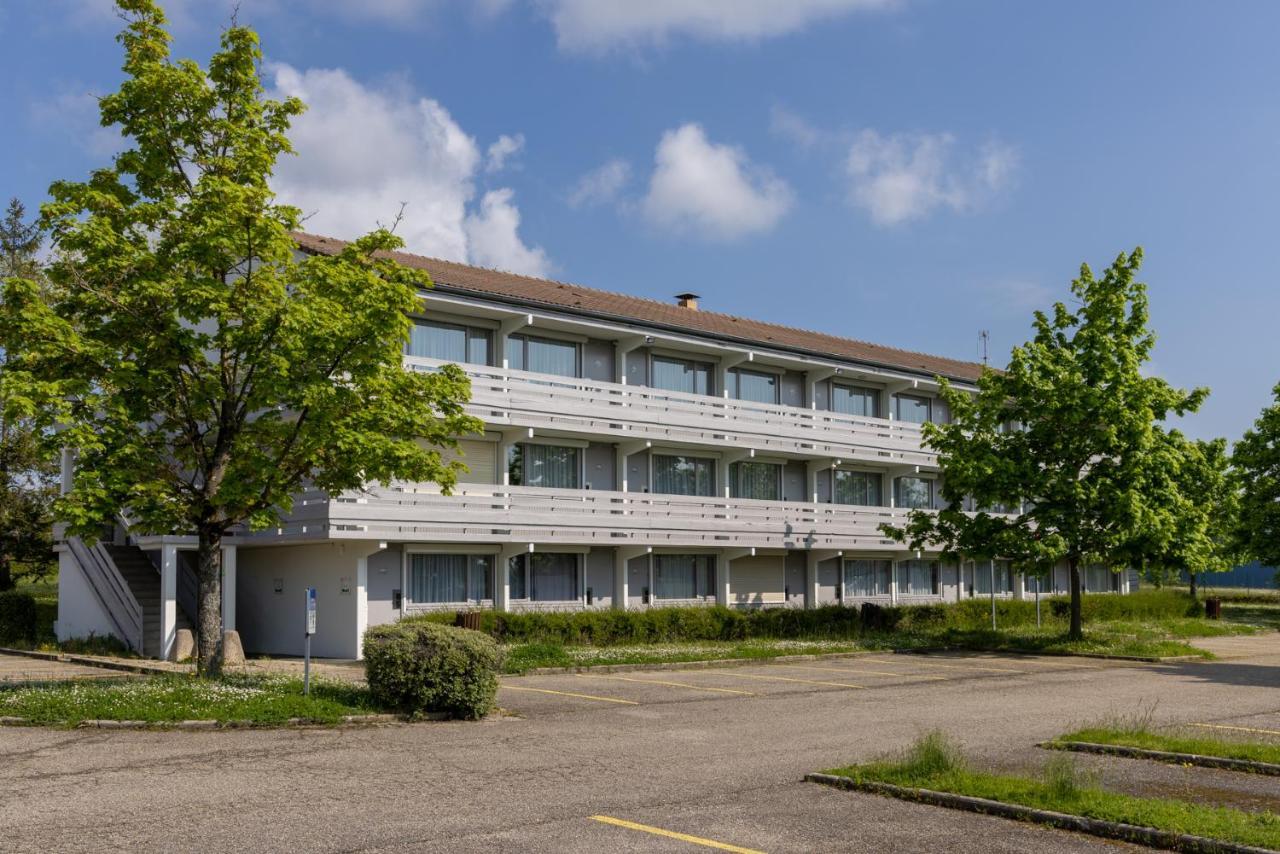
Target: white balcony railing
[(502, 396), (500, 514)]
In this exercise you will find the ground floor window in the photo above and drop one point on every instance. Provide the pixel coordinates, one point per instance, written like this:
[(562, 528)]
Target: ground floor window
[(437, 578), (1100, 579), (544, 577), (918, 577), (982, 577), (683, 576), (867, 577)]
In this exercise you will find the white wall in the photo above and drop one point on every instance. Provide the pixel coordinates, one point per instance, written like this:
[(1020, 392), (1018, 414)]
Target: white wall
[(79, 612), (272, 622)]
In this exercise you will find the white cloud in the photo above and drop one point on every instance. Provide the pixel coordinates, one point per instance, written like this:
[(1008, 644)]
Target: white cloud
[(399, 12), (494, 239), (595, 26), (500, 151), (601, 185), (903, 177), (73, 113), (363, 152), (794, 128), (712, 189)]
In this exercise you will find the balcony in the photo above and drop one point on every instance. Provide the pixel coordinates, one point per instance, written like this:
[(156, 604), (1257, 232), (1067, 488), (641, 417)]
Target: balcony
[(502, 514), (504, 397)]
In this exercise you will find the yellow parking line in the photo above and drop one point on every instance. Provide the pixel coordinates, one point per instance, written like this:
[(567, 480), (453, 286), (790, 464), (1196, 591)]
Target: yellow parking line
[(663, 682), (956, 666), (671, 834), (1239, 728), (863, 670), (791, 679), (571, 694)]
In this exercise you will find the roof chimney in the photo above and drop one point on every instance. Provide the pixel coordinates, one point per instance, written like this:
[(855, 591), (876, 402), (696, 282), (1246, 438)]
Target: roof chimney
[(689, 301)]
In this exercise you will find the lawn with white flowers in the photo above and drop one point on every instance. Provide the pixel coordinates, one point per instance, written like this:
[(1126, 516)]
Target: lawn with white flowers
[(259, 700)]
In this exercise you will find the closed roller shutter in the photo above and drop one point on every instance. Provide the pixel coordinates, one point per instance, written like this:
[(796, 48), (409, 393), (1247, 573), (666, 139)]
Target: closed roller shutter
[(479, 456), (757, 581)]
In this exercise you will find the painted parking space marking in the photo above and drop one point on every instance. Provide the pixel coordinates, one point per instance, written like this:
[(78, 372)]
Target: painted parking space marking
[(957, 666), (672, 834), (788, 679), (864, 670), (665, 682), (571, 694), (1239, 728)]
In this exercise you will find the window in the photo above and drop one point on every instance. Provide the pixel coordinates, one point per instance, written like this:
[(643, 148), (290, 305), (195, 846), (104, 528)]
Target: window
[(551, 466), (753, 385), (542, 355), (866, 578), (855, 400), (682, 375), (914, 493), (1099, 579), (449, 342), (435, 578), (682, 475), (918, 578), (544, 577), (914, 410), (982, 577), (757, 480), (857, 487), (683, 576)]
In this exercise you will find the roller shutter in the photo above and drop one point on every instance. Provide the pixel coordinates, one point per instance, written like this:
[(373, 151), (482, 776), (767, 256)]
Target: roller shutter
[(479, 456), (757, 581)]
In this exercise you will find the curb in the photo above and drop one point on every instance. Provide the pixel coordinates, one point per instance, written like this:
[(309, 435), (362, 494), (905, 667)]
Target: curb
[(1250, 766), (126, 666), (695, 665), (291, 723), (1149, 836), (1146, 659)]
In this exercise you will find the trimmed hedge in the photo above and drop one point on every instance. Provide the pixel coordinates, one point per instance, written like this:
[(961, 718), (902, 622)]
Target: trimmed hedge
[(17, 617), (426, 667), (829, 622)]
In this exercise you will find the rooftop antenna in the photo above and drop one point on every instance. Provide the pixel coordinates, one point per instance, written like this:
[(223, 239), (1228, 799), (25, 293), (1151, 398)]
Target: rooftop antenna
[(984, 341)]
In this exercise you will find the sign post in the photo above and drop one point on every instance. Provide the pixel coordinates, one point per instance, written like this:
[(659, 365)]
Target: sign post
[(306, 641), (1037, 601)]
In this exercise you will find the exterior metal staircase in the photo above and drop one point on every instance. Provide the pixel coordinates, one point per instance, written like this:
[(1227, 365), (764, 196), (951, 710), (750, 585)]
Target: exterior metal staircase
[(143, 579)]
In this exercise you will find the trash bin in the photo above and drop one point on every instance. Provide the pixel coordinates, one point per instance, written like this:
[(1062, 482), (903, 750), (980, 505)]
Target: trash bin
[(468, 620), (1213, 609)]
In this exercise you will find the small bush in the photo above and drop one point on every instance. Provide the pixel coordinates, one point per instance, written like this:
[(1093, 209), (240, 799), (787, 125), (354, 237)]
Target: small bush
[(932, 755), (427, 667), (17, 617)]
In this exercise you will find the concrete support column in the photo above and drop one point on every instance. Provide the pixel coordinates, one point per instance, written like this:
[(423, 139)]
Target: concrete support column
[(622, 558), (228, 588), (362, 603), (168, 599), (811, 580), (893, 581), (724, 571), (502, 574)]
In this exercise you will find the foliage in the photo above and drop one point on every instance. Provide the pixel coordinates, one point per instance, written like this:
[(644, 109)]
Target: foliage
[(1147, 739), (521, 658), (1256, 460), (933, 764), (204, 370), (1066, 436), (427, 667), (28, 474), (169, 699), (17, 616)]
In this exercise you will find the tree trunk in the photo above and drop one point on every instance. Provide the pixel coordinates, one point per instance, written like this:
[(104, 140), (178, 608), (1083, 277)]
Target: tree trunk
[(209, 603), (1077, 630), (1195, 588)]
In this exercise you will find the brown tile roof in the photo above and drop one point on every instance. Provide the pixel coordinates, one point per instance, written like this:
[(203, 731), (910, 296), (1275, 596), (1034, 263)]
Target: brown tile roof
[(450, 276)]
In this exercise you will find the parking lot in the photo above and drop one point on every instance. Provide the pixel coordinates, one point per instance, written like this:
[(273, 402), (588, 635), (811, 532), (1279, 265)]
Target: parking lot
[(640, 760)]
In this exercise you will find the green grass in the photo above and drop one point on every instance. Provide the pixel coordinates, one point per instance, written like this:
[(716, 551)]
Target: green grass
[(168, 699), (933, 763), (1140, 734), (520, 658)]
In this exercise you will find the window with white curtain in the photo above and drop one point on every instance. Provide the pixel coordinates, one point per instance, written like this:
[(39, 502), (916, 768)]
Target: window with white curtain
[(857, 487), (681, 475), (912, 409), (867, 577), (914, 493), (683, 576), (550, 466), (673, 374), (1099, 579), (542, 355), (757, 386), (917, 577), (544, 577), (855, 400), (438, 578), (756, 480), (449, 342), (982, 577)]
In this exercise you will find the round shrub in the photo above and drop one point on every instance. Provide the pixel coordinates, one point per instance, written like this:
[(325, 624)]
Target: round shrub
[(17, 617), (428, 667)]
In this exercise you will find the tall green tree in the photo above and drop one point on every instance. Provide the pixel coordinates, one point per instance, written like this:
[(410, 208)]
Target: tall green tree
[(28, 473), (203, 370), (1064, 441), (1256, 461)]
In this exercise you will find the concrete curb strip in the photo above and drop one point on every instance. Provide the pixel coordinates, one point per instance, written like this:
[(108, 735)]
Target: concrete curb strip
[(1149, 836), (347, 720), (695, 665), (127, 666), (1247, 765)]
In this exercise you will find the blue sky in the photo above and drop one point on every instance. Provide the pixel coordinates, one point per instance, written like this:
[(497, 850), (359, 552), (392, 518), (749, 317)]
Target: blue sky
[(905, 172)]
